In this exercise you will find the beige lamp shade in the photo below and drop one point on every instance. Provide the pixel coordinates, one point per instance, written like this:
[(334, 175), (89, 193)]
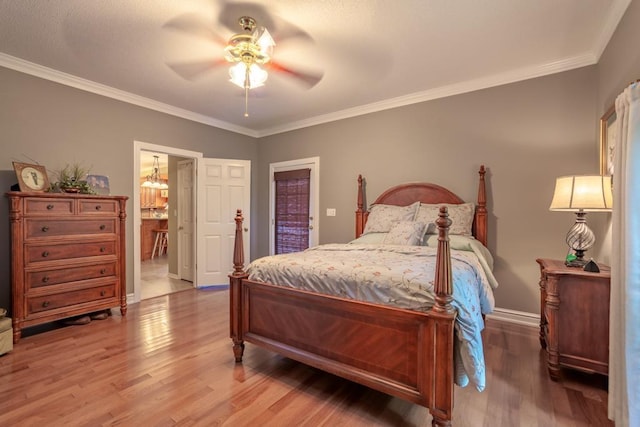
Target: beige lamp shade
[(588, 193)]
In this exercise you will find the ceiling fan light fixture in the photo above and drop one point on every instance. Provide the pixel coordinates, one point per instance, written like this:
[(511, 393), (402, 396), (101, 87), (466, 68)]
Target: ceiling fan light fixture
[(249, 50), (238, 75)]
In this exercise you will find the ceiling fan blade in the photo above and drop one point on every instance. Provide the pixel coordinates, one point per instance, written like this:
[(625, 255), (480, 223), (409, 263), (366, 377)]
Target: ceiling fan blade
[(306, 78), (193, 24), (194, 69)]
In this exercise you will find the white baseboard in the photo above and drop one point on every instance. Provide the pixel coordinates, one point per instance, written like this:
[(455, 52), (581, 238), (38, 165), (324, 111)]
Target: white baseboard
[(173, 276), (514, 316)]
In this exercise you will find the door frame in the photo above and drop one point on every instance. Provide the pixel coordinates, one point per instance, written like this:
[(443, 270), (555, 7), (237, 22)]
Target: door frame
[(139, 146), (312, 163), (179, 240)]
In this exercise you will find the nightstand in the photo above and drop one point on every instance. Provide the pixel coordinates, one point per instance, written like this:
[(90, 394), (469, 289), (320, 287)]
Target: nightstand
[(574, 317)]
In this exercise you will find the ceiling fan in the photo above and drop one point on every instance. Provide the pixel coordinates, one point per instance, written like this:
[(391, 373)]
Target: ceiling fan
[(249, 53)]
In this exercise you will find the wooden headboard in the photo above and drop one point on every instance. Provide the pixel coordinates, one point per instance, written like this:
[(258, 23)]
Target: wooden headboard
[(406, 194)]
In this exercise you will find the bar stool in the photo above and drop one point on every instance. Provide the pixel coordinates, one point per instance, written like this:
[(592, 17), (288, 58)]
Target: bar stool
[(160, 244)]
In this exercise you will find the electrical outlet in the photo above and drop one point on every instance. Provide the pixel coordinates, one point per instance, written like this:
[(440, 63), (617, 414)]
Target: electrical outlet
[(331, 212)]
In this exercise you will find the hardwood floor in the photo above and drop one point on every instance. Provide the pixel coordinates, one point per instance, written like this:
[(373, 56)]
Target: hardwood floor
[(169, 362)]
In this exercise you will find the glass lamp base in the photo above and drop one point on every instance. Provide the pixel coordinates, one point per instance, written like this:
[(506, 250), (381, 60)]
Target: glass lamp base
[(578, 262)]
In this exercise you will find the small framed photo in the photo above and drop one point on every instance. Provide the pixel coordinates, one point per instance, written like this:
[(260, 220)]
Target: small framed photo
[(99, 184), (607, 141), (31, 177)]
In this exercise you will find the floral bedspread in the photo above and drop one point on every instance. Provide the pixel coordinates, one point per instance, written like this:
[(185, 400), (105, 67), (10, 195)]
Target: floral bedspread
[(401, 276)]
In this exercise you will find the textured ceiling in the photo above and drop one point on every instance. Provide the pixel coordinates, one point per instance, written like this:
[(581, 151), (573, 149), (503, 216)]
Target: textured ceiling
[(372, 54)]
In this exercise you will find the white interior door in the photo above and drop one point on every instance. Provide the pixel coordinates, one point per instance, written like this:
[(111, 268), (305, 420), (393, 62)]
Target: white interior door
[(223, 187), (186, 220)]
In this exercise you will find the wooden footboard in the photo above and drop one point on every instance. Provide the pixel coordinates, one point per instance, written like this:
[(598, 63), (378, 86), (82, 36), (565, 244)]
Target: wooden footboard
[(403, 353)]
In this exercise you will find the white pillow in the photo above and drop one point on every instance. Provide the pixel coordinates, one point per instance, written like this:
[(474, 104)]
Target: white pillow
[(382, 217), (461, 217), (406, 233)]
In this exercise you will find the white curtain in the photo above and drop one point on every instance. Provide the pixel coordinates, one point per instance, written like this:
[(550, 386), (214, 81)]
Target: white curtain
[(624, 327)]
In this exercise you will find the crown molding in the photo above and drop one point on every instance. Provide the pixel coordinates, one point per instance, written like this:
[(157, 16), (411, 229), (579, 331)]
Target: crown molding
[(442, 92), (414, 98), (46, 73)]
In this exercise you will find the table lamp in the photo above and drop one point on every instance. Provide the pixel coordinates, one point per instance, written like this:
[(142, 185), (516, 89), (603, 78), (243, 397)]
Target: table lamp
[(581, 194)]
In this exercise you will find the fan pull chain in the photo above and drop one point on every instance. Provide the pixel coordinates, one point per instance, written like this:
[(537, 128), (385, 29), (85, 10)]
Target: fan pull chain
[(247, 83)]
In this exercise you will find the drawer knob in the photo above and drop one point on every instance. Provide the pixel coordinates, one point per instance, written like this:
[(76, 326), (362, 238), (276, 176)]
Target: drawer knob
[(102, 249), (45, 279), (45, 254), (102, 293), (49, 207), (46, 304), (45, 229), (103, 270), (102, 227), (98, 207)]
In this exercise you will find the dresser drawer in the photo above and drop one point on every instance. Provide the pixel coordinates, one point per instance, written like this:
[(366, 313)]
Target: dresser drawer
[(104, 207), (38, 279), (40, 253), (48, 206), (66, 299), (61, 227)]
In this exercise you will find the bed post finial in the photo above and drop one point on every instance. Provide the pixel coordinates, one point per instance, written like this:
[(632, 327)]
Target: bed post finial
[(360, 214), (443, 281), (480, 221), (238, 246)]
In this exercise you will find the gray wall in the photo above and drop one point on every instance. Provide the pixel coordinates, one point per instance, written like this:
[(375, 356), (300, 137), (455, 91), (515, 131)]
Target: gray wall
[(526, 133), (619, 65), (54, 124)]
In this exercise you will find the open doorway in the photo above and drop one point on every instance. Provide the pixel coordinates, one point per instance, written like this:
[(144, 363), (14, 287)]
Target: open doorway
[(167, 217), (164, 211)]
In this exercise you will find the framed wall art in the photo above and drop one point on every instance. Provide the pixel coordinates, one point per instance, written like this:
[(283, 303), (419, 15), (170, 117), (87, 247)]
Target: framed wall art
[(31, 177), (607, 141)]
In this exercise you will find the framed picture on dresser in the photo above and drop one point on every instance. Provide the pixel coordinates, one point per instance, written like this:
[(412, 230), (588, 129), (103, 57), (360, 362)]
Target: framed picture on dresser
[(607, 141), (31, 177), (99, 184)]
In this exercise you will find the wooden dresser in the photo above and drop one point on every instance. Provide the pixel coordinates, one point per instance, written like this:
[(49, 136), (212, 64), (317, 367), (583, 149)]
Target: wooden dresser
[(574, 317), (67, 256)]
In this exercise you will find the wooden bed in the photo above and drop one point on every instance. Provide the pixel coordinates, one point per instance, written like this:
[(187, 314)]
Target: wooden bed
[(404, 353)]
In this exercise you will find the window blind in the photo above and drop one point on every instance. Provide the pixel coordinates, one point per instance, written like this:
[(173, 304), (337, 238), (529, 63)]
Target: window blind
[(292, 210)]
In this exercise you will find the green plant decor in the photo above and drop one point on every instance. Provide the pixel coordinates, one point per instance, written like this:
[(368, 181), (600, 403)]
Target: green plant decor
[(71, 179)]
